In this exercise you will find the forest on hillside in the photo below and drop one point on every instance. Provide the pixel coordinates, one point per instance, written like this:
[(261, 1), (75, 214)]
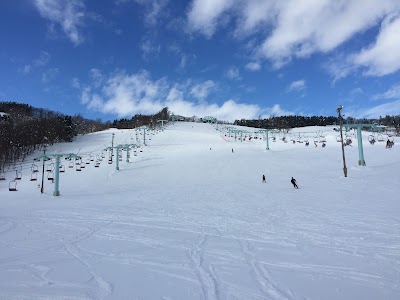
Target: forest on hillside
[(287, 122), (24, 129)]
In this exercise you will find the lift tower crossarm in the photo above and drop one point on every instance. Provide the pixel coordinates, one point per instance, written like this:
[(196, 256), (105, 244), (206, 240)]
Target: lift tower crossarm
[(46, 157), (358, 127)]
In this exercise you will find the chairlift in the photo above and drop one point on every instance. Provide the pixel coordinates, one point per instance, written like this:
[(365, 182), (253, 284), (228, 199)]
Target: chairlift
[(71, 164), (33, 176), (62, 168), (2, 175), (82, 165), (339, 139), (78, 168), (91, 158), (50, 176), (12, 186), (371, 139), (49, 168), (97, 164), (88, 161), (18, 175), (381, 138), (322, 139), (34, 168)]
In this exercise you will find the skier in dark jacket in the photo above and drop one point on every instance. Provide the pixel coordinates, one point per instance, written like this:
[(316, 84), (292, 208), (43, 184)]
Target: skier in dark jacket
[(263, 178), (293, 181)]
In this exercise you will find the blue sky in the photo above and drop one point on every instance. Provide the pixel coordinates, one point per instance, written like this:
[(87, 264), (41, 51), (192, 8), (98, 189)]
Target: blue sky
[(230, 59)]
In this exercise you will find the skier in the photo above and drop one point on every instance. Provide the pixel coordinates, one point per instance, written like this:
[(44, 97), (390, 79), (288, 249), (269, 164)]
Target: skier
[(263, 178), (232, 150), (293, 181)]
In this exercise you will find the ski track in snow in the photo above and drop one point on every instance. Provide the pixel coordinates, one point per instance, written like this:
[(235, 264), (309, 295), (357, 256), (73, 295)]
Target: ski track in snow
[(213, 234), (261, 275)]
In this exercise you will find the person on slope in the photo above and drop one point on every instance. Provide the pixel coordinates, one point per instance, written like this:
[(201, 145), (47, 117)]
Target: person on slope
[(293, 181), (263, 178)]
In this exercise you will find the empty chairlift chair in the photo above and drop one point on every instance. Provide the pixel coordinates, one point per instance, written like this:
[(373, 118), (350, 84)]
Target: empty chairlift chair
[(34, 168), (50, 176), (12, 186), (62, 169), (33, 176), (2, 175), (49, 168), (71, 164), (18, 175), (78, 168), (97, 164)]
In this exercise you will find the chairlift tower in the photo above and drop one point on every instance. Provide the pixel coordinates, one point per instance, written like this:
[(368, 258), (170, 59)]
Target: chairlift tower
[(267, 138), (126, 147), (144, 128), (162, 123), (46, 157), (358, 127)]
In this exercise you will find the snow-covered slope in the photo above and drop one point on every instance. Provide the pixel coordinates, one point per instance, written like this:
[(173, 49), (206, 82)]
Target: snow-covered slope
[(188, 219)]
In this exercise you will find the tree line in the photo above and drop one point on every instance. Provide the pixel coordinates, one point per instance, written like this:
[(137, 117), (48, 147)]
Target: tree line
[(288, 122)]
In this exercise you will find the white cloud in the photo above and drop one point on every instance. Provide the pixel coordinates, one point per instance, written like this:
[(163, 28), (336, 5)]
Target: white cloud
[(297, 85), (202, 90), (253, 66), (297, 29), (383, 57), (69, 15), (390, 108), (75, 83), (392, 93), (49, 75), (41, 61), (125, 95), (204, 15), (233, 73), (154, 9), (96, 76), (149, 48)]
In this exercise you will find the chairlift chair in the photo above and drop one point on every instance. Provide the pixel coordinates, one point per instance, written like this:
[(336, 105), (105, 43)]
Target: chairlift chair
[(88, 161), (78, 168), (50, 176), (34, 168), (381, 138), (62, 168), (49, 168), (322, 139), (71, 164), (2, 176), (82, 165), (33, 176), (91, 158), (18, 175), (97, 164), (371, 139), (338, 139), (12, 186)]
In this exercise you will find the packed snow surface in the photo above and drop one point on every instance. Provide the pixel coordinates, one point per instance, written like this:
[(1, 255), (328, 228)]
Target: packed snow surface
[(190, 218)]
